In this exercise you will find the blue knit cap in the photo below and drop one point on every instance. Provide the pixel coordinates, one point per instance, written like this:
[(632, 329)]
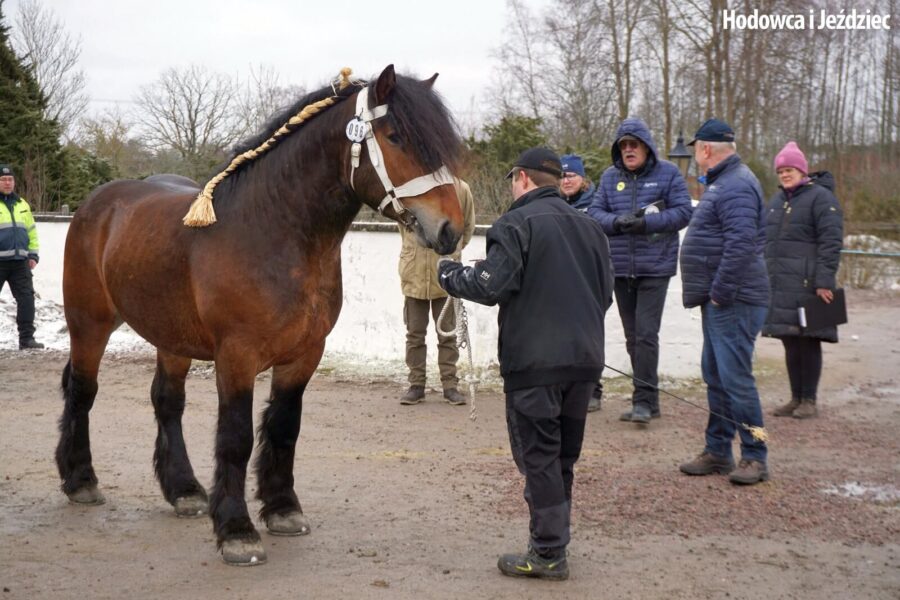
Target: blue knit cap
[(571, 163)]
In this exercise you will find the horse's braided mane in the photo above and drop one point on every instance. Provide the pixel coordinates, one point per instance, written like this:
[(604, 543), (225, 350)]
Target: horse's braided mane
[(416, 112)]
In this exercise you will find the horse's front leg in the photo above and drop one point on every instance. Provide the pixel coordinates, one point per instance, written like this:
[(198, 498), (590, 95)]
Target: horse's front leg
[(278, 434), (235, 534)]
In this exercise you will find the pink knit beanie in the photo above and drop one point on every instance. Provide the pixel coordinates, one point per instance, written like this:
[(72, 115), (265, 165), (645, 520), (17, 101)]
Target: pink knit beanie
[(791, 156)]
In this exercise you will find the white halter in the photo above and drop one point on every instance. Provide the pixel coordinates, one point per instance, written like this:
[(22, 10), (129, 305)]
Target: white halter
[(359, 129)]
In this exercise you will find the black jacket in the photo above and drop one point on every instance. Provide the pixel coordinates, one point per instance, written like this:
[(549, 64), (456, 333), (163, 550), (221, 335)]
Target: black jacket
[(549, 269), (804, 234)]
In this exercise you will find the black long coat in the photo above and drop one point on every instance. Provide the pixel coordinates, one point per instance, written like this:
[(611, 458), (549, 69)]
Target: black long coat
[(804, 235)]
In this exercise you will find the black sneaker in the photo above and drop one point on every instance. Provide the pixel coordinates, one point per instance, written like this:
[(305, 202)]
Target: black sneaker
[(533, 564), (30, 344)]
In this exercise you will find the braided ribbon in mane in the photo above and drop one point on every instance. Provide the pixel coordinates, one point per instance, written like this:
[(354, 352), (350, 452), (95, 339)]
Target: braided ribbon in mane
[(201, 213)]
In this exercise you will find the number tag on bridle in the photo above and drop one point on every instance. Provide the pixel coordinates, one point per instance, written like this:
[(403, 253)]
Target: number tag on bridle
[(356, 130)]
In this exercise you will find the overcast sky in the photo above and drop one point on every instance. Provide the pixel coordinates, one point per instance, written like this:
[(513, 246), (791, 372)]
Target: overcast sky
[(126, 44)]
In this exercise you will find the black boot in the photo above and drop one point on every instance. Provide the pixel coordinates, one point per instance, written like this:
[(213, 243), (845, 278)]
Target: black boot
[(30, 344)]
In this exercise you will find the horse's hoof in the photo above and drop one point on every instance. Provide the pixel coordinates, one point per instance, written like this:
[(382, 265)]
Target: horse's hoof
[(191, 506), (293, 523), (88, 495), (243, 553)]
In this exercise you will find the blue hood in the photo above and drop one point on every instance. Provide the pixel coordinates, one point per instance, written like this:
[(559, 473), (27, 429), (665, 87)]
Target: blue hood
[(637, 128)]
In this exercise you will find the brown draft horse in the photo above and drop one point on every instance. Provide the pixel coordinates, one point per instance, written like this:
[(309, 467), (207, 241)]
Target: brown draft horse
[(260, 288)]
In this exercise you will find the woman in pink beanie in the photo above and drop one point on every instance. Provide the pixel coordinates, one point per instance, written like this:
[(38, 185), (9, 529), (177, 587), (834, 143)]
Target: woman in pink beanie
[(804, 235)]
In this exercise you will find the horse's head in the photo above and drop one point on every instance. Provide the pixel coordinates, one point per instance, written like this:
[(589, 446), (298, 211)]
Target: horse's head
[(406, 146)]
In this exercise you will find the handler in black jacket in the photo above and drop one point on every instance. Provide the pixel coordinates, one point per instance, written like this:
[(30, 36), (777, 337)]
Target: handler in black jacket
[(548, 267)]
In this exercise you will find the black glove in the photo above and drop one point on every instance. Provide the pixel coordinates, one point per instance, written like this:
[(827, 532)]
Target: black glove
[(635, 225), (623, 223)]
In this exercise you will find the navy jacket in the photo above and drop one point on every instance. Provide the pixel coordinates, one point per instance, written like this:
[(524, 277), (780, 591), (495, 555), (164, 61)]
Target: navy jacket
[(653, 253), (722, 252), (581, 200), (548, 268), (805, 233)]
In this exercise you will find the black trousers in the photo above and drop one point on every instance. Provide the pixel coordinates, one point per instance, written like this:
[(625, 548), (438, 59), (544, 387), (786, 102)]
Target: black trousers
[(546, 429), (18, 274), (803, 356), (640, 301)]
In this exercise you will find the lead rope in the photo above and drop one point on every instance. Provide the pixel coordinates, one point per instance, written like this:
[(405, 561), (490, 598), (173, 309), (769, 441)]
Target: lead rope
[(462, 341), (759, 434)]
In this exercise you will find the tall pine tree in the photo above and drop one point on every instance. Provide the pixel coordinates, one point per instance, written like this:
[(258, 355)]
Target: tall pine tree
[(28, 142)]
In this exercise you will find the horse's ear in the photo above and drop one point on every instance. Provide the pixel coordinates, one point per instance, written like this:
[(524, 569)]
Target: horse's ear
[(385, 85), (429, 83)]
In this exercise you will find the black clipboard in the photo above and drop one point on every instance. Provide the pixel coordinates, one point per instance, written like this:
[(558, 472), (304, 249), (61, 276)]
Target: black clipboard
[(814, 314)]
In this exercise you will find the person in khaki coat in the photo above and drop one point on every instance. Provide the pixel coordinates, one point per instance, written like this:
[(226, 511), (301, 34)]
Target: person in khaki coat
[(418, 281)]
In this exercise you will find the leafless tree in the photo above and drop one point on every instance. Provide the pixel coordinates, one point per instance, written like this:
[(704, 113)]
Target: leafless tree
[(519, 87), (52, 54), (192, 112), (261, 96), (110, 136)]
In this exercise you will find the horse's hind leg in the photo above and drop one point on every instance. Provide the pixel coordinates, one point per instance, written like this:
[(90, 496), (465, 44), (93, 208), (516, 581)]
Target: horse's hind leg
[(79, 387), (278, 434), (173, 468)]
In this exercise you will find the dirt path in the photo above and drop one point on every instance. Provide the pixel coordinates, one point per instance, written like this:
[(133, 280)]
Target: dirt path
[(416, 502)]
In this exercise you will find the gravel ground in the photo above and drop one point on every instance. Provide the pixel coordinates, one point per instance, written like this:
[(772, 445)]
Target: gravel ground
[(413, 502)]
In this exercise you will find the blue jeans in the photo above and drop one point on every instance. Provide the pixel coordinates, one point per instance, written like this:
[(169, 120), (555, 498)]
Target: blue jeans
[(729, 334)]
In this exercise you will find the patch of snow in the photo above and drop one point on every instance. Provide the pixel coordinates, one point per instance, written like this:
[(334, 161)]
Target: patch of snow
[(881, 494)]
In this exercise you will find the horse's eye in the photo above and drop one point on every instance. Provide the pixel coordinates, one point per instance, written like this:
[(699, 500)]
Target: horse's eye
[(394, 139)]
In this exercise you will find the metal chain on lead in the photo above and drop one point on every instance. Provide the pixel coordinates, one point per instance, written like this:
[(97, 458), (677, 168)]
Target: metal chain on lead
[(462, 341)]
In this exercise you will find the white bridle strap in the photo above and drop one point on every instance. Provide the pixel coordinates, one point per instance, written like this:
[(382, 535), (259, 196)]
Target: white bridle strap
[(416, 187)]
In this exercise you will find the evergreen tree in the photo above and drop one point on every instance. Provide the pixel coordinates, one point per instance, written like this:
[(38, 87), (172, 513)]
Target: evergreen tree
[(27, 141)]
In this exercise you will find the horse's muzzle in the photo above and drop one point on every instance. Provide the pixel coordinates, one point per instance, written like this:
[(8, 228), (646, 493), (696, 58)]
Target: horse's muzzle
[(447, 239)]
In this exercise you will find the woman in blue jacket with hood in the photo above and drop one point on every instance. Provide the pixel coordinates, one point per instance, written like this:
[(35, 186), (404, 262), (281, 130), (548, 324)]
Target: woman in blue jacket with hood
[(641, 202)]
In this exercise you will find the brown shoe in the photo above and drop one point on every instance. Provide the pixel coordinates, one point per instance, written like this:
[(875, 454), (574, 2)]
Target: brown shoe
[(413, 395), (749, 472), (806, 410), (787, 410), (707, 464), (452, 396)]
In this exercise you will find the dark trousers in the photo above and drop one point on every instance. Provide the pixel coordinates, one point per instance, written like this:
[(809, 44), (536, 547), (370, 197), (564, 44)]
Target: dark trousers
[(546, 429), (416, 317), (18, 274), (804, 365), (640, 301)]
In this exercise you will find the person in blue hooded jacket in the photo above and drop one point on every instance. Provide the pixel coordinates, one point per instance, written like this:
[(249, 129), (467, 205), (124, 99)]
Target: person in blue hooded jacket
[(641, 202)]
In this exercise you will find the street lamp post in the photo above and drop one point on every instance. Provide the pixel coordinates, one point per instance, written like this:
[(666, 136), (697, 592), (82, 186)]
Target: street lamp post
[(680, 155)]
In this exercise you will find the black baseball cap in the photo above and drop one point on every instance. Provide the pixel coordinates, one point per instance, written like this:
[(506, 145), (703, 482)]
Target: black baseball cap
[(538, 159), (6, 171), (713, 130)]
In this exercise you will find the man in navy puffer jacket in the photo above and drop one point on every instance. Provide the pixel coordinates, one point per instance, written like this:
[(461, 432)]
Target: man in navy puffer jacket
[(723, 271), (641, 203)]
